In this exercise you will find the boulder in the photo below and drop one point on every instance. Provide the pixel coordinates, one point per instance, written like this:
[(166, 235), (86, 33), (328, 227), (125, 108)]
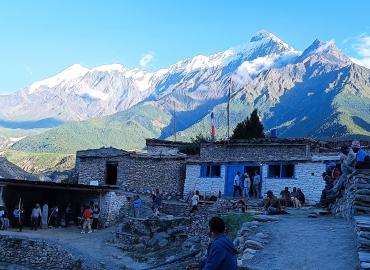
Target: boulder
[(253, 245)]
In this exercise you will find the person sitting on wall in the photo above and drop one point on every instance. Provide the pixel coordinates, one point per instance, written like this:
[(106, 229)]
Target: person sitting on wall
[(272, 204), (285, 197), (348, 159), (237, 184), (221, 252), (362, 157)]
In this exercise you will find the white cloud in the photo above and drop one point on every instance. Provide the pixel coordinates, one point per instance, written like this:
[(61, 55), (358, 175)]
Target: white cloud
[(249, 69), (325, 46), (146, 59), (362, 47)]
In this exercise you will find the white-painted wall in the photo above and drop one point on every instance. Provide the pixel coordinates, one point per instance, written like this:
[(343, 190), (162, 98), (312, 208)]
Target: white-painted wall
[(311, 185), (211, 186)]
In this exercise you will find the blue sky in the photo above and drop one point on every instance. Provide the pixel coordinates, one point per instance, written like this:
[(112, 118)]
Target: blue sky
[(40, 38)]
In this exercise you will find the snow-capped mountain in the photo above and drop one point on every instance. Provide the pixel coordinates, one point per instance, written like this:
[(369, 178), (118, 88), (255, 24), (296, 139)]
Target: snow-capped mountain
[(318, 92), (78, 93)]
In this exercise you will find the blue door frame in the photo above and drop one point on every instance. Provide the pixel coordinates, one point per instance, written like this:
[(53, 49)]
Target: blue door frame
[(231, 171)]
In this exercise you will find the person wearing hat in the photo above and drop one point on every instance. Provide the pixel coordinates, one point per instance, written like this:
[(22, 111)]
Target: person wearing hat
[(362, 157)]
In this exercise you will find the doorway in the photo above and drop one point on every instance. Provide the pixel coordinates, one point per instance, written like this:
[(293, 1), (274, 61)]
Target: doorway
[(233, 169), (251, 170), (111, 173)]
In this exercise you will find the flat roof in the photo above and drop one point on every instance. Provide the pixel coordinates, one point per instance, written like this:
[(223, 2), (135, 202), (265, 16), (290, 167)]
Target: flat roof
[(53, 185)]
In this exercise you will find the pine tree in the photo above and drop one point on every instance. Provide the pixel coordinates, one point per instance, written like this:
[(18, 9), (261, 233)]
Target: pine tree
[(249, 128)]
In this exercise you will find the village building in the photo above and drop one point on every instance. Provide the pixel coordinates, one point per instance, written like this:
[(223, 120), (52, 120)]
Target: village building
[(109, 177), (280, 163)]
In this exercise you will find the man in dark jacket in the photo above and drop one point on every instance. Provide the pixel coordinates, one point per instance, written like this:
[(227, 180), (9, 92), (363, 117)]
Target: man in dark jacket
[(221, 253)]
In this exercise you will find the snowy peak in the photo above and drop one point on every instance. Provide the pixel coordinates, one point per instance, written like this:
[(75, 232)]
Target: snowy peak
[(264, 43), (73, 72), (325, 51)]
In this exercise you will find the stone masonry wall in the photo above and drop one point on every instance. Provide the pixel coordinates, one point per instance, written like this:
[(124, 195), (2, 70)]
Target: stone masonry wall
[(162, 150), (209, 185), (143, 175), (253, 152), (307, 177), (354, 204), (93, 169), (36, 254)]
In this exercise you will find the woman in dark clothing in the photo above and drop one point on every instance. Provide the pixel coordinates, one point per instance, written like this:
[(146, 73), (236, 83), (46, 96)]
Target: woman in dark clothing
[(300, 196)]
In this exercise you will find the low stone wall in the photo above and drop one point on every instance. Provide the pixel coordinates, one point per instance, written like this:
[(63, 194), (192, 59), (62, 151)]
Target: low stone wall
[(355, 206), (355, 199), (36, 254)]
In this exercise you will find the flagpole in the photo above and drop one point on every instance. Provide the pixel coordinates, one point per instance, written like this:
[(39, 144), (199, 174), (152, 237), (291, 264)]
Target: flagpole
[(174, 120), (228, 110)]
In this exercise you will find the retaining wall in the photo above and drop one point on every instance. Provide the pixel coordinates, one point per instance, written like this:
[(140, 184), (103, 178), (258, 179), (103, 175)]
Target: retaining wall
[(36, 254)]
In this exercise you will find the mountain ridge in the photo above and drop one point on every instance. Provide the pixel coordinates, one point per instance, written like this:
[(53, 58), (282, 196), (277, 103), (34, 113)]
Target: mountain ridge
[(318, 92)]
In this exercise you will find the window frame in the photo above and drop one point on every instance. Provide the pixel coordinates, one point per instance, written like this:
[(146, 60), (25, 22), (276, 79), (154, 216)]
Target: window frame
[(282, 172), (208, 171)]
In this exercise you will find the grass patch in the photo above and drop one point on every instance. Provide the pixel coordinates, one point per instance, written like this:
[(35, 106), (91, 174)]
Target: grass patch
[(234, 222)]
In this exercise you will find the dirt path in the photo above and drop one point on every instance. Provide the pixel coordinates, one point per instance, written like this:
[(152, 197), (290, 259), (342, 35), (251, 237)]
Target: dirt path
[(91, 248), (299, 242)]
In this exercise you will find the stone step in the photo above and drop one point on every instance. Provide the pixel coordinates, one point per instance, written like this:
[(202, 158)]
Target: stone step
[(364, 256)]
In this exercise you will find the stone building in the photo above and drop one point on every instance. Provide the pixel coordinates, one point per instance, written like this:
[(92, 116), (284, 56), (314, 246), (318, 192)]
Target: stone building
[(280, 162), (132, 172)]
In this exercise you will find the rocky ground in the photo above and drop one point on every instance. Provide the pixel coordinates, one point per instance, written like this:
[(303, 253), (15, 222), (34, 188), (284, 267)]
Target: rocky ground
[(301, 242)]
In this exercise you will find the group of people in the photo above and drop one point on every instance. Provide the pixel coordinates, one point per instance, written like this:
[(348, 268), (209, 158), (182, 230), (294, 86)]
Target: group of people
[(243, 184), (275, 206), (43, 217), (351, 158), (294, 199), (89, 217)]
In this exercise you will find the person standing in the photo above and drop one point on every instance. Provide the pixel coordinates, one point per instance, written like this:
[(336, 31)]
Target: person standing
[(194, 202), (54, 216), (157, 202), (87, 214), (256, 185), (221, 252), (247, 185), (95, 216), (44, 217), (137, 206), (35, 216), (68, 214), (18, 214), (236, 185), (2, 216)]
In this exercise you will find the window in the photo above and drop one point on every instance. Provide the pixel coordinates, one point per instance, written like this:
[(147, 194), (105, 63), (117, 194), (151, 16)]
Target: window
[(281, 170), (111, 173), (210, 171), (274, 171)]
